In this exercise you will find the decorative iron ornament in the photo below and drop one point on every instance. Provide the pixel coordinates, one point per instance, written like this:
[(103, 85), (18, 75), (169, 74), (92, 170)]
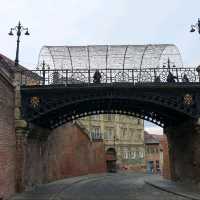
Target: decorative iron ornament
[(35, 101), (188, 100)]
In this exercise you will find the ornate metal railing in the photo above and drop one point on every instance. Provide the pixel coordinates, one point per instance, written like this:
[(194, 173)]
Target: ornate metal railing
[(85, 76)]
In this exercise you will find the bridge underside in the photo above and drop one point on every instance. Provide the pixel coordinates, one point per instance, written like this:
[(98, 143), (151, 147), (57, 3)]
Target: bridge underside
[(117, 105), (164, 105)]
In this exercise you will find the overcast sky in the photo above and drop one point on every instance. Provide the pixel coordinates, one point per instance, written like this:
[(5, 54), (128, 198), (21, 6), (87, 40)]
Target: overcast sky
[(86, 22)]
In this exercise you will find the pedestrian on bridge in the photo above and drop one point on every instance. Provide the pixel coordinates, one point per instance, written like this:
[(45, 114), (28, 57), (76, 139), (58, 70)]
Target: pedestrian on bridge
[(171, 78), (157, 79), (185, 79), (97, 77)]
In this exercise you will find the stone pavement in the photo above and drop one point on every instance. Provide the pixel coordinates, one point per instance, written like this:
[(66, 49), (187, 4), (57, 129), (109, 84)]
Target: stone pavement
[(180, 189), (112, 186)]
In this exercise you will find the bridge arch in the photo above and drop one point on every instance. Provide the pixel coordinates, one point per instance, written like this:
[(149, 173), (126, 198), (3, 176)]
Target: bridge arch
[(54, 111)]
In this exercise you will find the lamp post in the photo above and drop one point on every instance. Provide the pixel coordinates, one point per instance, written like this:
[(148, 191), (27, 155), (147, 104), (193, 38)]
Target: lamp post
[(198, 71), (195, 27), (168, 65), (19, 28), (192, 30)]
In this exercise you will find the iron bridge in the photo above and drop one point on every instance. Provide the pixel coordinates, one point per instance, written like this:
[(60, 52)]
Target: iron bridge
[(51, 98)]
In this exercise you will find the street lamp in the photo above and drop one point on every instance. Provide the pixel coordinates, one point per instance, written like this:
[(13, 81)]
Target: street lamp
[(195, 26), (168, 64), (19, 28), (198, 71)]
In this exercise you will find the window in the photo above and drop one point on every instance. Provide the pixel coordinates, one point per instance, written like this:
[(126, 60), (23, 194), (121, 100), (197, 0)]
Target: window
[(133, 155), (125, 155), (96, 134), (123, 132), (138, 135), (141, 154), (108, 133), (131, 131), (96, 117), (129, 155), (157, 164), (109, 117), (138, 122)]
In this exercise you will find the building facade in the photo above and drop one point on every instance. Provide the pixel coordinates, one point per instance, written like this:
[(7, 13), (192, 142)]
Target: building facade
[(153, 153), (164, 156), (123, 137)]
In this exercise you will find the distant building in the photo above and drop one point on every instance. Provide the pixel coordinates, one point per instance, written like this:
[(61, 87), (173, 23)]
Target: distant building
[(123, 139), (153, 153), (164, 155), (157, 154)]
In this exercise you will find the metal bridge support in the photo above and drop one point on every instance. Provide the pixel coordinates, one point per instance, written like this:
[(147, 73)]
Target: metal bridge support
[(184, 151)]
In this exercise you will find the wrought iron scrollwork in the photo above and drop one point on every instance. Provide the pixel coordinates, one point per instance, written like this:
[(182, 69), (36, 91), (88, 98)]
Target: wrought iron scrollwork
[(121, 77), (78, 76), (190, 75), (145, 76)]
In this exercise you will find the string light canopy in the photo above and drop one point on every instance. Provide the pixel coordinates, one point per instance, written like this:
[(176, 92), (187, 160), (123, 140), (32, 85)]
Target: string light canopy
[(110, 56)]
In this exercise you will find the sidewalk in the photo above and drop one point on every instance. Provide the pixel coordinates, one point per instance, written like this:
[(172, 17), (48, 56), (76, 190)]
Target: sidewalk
[(180, 189)]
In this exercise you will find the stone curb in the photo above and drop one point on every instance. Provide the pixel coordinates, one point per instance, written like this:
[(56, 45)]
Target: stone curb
[(193, 197)]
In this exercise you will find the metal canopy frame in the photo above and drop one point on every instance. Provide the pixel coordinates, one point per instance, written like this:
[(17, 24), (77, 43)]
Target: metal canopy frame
[(109, 56)]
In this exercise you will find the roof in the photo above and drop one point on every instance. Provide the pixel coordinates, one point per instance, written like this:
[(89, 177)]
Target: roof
[(158, 137), (8, 66), (150, 139), (6, 77), (109, 56)]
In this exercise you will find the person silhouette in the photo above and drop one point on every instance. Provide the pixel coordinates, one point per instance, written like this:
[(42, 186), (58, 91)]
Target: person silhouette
[(185, 79), (157, 79), (97, 77), (171, 78)]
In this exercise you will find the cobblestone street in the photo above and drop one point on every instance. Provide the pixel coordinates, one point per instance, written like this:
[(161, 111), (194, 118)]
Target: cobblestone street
[(122, 186)]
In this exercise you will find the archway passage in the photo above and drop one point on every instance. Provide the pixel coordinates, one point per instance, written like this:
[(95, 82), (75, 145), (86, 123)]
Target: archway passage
[(171, 106), (111, 159)]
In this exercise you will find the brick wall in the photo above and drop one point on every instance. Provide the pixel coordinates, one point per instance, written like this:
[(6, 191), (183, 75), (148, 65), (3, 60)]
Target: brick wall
[(166, 164), (184, 151), (7, 137), (67, 152)]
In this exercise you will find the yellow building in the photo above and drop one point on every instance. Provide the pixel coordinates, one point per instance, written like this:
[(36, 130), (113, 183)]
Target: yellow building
[(123, 135)]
